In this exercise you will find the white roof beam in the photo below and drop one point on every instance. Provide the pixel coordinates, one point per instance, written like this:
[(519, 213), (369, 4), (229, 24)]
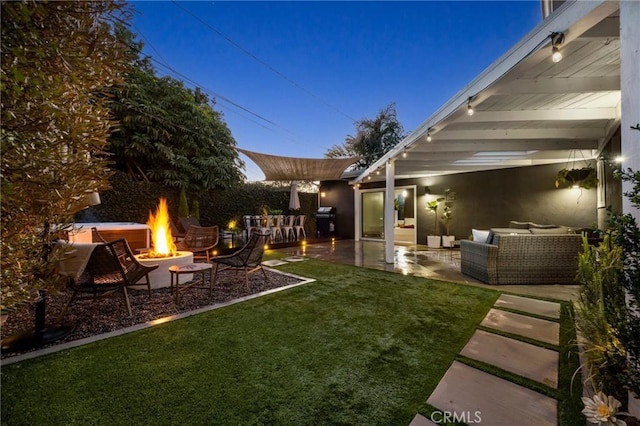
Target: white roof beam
[(488, 156), (477, 166), (506, 134), (506, 145), (559, 85), (542, 115)]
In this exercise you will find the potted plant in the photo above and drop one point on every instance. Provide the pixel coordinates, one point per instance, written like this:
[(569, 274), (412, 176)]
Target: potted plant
[(585, 177), (449, 198), (433, 241)]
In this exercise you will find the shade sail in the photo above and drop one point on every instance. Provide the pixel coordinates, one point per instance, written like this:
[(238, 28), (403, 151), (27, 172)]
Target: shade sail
[(291, 168)]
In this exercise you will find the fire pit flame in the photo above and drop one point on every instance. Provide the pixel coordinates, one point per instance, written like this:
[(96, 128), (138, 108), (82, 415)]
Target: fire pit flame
[(161, 237)]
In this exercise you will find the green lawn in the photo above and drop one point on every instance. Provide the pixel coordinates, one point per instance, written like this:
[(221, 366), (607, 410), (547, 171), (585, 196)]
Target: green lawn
[(356, 347)]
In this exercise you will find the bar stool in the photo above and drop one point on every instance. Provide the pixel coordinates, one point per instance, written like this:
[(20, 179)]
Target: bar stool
[(299, 226), (276, 231), (288, 232)]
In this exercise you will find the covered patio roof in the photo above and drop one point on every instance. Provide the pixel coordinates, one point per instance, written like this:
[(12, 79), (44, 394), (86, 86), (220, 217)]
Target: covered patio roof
[(528, 110), (291, 168)]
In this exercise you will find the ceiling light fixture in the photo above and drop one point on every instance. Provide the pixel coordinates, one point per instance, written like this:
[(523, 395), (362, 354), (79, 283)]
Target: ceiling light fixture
[(557, 39), (404, 153), (469, 107), (429, 138)]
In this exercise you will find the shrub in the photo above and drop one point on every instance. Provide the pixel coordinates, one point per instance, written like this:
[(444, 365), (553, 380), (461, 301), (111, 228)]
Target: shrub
[(129, 200), (600, 310)]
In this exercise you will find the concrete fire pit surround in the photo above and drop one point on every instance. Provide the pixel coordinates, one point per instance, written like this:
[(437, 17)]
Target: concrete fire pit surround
[(161, 277)]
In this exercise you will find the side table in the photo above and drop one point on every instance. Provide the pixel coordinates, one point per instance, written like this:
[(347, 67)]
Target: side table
[(455, 245), (191, 268)]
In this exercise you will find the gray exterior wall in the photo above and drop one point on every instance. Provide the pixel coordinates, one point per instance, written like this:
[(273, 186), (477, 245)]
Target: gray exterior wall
[(493, 198), (612, 185), (339, 194)]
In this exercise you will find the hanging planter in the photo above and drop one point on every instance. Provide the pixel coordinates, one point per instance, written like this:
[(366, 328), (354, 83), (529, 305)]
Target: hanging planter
[(577, 177), (585, 177)]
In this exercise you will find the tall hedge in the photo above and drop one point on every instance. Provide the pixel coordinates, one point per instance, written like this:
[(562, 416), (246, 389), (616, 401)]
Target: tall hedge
[(130, 201)]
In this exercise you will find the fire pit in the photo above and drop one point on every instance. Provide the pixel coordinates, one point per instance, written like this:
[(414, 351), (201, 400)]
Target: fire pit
[(164, 251), (161, 277)]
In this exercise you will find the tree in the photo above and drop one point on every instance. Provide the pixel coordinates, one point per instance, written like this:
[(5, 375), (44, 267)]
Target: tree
[(58, 59), (374, 138), (169, 133)]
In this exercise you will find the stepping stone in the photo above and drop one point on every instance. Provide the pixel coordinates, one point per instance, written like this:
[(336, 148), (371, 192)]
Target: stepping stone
[(295, 259), (522, 325), (532, 306), (274, 262), (523, 359), (468, 392), (420, 420)]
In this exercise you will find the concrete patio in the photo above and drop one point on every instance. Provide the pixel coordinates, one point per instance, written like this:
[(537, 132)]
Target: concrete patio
[(417, 260)]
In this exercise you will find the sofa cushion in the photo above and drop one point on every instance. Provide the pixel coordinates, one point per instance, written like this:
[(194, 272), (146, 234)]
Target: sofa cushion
[(519, 225), (480, 235), (540, 226), (508, 231), (552, 231)]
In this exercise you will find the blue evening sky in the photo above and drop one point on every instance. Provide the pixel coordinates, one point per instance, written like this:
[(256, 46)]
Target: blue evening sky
[(295, 75)]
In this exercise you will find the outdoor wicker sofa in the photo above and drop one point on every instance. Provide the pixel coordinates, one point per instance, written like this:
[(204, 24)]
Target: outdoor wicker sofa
[(522, 256)]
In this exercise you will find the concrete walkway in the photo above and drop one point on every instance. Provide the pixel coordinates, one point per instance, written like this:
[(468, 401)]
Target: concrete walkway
[(473, 396)]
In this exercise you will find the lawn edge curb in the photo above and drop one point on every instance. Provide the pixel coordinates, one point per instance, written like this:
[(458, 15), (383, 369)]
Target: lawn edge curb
[(149, 324)]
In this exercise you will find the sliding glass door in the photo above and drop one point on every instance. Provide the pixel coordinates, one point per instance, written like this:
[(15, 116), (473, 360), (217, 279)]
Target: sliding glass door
[(372, 215), (404, 211)]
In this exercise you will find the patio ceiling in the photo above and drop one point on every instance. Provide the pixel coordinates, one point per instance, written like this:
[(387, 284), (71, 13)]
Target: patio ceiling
[(528, 109)]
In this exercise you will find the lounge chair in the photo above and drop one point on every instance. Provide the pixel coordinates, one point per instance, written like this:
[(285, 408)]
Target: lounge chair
[(248, 258), (111, 268), (199, 240)]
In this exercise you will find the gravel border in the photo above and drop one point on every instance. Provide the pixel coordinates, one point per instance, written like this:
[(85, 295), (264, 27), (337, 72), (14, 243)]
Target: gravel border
[(109, 315)]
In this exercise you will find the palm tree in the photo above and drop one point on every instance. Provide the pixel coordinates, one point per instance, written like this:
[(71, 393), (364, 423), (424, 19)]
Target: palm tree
[(373, 138)]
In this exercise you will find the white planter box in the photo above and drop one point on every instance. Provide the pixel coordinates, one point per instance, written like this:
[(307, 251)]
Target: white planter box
[(433, 241), (447, 240)]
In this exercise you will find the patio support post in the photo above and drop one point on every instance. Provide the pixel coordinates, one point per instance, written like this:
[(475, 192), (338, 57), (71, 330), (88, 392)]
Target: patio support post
[(630, 88), (389, 215), (357, 213)]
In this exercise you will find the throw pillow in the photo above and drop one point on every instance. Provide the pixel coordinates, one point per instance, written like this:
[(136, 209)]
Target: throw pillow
[(480, 235), (551, 231)]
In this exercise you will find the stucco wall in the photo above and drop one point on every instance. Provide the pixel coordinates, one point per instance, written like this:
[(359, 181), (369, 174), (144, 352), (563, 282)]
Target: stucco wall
[(339, 194), (492, 198)]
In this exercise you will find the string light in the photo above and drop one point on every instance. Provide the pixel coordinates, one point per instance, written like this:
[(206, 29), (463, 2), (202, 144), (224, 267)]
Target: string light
[(557, 39)]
